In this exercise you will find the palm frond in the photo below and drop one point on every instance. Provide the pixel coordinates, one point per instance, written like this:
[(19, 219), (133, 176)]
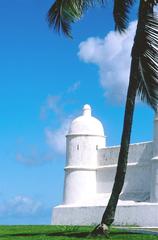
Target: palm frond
[(148, 63), (121, 14), (65, 12)]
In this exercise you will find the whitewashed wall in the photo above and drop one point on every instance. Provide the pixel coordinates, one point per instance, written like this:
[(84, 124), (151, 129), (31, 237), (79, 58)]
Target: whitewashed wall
[(137, 181), (80, 170), (80, 186), (82, 150), (138, 152)]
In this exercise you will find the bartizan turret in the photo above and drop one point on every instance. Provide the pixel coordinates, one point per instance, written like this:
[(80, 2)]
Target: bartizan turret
[(84, 138)]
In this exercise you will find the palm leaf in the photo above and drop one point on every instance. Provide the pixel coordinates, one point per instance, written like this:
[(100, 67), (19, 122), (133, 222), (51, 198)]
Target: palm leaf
[(65, 12), (121, 13), (148, 63)]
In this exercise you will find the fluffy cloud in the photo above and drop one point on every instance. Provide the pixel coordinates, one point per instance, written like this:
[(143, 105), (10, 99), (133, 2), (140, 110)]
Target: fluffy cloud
[(52, 104), (55, 103), (112, 55), (21, 206), (55, 142), (56, 138), (32, 156), (74, 87)]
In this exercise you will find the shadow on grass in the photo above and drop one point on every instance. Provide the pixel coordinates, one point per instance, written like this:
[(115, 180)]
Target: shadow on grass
[(53, 234), (65, 234)]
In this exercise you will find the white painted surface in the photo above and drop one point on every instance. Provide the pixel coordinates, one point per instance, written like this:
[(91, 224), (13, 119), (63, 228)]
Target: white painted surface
[(137, 180), (86, 124), (154, 164), (85, 137), (82, 150), (154, 180), (80, 186), (89, 176), (138, 153), (140, 214), (155, 138)]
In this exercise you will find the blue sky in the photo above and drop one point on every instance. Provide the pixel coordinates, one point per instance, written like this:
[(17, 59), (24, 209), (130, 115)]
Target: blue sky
[(45, 80)]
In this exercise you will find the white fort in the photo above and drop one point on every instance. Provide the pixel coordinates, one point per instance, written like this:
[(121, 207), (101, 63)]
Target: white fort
[(89, 176)]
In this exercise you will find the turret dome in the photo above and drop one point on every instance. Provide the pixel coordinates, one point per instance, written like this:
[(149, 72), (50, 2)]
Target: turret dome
[(86, 124)]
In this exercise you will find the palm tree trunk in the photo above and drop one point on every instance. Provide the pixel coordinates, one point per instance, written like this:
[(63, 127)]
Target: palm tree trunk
[(108, 217), (109, 214)]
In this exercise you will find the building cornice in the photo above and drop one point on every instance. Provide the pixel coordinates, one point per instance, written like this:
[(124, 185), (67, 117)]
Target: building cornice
[(86, 135), (83, 168)]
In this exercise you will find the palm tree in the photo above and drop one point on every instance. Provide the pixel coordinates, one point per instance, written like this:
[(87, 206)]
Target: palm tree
[(143, 80)]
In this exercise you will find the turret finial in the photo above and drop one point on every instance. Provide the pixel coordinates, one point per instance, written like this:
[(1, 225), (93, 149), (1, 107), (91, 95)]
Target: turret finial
[(86, 110)]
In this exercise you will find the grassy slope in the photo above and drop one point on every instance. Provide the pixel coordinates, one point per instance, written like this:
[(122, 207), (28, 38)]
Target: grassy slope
[(45, 232)]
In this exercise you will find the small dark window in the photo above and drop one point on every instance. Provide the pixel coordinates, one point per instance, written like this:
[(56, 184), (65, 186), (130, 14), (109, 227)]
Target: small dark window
[(77, 146), (96, 147)]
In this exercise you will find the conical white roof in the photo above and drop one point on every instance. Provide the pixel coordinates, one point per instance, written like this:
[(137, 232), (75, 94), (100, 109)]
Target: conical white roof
[(86, 124)]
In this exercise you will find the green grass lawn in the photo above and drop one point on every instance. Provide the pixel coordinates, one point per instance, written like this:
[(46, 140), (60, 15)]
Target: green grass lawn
[(45, 232)]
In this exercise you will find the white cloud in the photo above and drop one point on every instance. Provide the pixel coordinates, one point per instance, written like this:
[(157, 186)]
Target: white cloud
[(32, 156), (74, 87), (56, 138), (21, 206), (56, 103), (55, 142), (112, 55), (52, 104)]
